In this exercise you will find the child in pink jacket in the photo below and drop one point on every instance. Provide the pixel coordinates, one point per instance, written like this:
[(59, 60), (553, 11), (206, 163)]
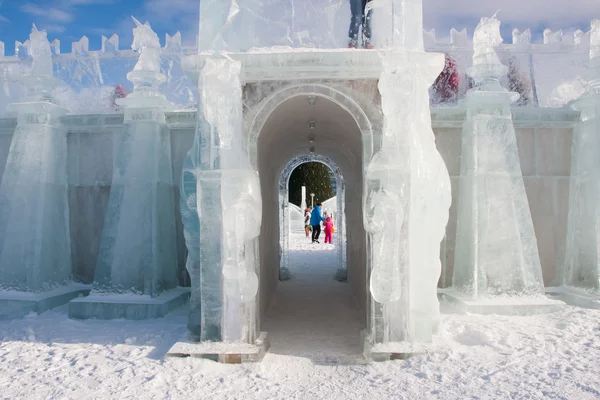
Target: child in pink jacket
[(328, 229)]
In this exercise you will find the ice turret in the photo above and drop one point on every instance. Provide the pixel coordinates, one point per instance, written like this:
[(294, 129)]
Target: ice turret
[(497, 266), (581, 273), (137, 255), (35, 245)]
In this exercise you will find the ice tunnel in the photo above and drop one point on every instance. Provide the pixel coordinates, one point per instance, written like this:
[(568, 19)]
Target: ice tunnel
[(283, 135)]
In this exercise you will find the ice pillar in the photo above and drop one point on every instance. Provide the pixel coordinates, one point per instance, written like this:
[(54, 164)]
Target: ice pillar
[(496, 247), (303, 202), (228, 205), (582, 256), (35, 246), (407, 192), (137, 251)]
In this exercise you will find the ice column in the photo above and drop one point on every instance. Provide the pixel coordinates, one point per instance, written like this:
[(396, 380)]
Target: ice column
[(407, 192), (137, 251), (496, 248), (35, 251), (228, 205), (582, 262), (302, 204)]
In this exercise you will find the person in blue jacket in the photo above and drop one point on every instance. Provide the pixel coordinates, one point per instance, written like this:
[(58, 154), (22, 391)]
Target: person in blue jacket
[(316, 217)]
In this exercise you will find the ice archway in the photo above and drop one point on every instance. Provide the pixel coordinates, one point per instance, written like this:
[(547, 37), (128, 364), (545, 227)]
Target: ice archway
[(277, 130), (284, 213)]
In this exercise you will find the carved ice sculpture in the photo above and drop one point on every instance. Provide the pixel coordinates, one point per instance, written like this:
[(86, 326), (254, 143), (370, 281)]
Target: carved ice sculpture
[(496, 247), (582, 253), (145, 41), (35, 245), (138, 251)]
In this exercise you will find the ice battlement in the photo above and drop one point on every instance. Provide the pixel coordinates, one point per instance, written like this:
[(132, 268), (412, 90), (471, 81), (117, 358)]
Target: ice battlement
[(553, 42), (458, 40)]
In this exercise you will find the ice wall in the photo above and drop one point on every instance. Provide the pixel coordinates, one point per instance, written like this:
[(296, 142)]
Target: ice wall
[(310, 23), (138, 250), (35, 247), (496, 248), (582, 263)]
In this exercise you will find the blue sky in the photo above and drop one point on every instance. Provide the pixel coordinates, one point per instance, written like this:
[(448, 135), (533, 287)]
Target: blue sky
[(68, 20)]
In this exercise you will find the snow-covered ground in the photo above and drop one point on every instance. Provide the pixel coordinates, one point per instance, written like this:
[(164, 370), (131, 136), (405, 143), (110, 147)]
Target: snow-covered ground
[(314, 329)]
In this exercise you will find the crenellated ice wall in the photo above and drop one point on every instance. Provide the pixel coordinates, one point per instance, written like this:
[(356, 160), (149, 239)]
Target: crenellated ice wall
[(551, 72), (544, 140)]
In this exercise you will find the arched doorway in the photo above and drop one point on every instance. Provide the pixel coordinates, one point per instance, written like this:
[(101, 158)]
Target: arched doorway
[(277, 132), (284, 213)]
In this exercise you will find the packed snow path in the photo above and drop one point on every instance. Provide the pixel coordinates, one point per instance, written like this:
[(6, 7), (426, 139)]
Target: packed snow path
[(554, 356), (312, 315)]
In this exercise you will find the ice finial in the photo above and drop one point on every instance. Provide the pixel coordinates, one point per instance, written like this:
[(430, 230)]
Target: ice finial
[(146, 42), (40, 53), (485, 40), (459, 38), (595, 40), (173, 43), (521, 39), (110, 45), (487, 68), (429, 38), (553, 38), (578, 37)]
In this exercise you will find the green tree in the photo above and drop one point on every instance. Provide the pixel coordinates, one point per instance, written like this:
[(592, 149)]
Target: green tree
[(315, 176)]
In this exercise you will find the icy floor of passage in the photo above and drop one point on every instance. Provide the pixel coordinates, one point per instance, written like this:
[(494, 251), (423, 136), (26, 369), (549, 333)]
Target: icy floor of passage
[(554, 356), (312, 315)]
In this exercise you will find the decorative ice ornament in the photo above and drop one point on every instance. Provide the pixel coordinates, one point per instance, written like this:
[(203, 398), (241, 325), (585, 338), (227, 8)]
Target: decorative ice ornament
[(145, 41), (40, 53), (146, 75), (485, 40), (385, 223), (40, 82)]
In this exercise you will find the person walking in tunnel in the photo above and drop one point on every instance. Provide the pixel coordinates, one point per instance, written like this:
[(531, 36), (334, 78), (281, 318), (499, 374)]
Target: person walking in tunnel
[(316, 218), (359, 17), (328, 230), (307, 214)]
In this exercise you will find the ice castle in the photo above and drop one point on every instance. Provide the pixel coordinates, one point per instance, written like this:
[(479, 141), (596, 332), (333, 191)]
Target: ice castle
[(465, 171)]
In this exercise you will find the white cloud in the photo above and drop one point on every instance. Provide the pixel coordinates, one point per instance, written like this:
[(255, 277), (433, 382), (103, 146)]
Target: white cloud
[(71, 3), (525, 13), (52, 14), (172, 7), (3, 18), (53, 28)]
